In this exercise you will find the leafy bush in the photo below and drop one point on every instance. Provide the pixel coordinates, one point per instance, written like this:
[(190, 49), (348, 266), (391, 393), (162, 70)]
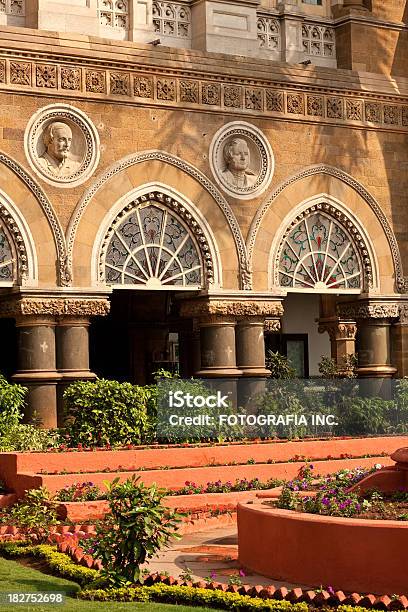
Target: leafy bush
[(279, 365), (138, 526), (79, 492), (36, 513), (11, 405), (106, 412), (27, 437)]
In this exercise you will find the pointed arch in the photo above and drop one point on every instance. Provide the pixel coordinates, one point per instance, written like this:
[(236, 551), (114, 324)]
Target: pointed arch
[(33, 190), (401, 282), (234, 244)]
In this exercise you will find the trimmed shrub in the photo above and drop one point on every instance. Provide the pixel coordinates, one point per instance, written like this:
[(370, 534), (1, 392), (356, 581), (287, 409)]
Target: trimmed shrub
[(106, 412)]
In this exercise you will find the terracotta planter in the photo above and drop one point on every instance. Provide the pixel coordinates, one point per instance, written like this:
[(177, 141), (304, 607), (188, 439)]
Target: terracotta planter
[(349, 554)]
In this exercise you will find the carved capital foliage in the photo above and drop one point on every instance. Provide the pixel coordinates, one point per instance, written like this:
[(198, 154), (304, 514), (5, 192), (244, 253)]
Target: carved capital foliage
[(272, 325), (375, 310), (233, 308), (339, 330), (54, 306), (403, 313)]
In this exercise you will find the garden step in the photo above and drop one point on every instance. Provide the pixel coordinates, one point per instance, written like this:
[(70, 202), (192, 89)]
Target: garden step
[(175, 479), (200, 455), (204, 502)]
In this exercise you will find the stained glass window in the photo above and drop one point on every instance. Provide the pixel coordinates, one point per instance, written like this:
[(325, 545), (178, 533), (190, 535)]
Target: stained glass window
[(319, 253), (7, 257), (153, 247)]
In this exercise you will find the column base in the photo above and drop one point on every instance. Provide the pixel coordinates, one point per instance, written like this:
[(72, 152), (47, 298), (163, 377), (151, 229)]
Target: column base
[(42, 396), (376, 371), (219, 373)]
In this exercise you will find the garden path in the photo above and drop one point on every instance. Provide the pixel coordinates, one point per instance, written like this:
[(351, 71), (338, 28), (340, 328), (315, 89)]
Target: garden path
[(203, 552)]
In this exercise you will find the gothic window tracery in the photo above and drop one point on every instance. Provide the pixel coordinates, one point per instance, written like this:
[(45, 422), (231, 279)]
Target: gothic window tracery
[(8, 257), (323, 251), (152, 246), (269, 34), (114, 14), (318, 40)]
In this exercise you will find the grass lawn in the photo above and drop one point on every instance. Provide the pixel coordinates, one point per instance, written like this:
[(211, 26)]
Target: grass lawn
[(16, 578)]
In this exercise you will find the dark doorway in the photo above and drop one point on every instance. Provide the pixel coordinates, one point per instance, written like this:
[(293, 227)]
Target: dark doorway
[(292, 346), (8, 347), (142, 334)]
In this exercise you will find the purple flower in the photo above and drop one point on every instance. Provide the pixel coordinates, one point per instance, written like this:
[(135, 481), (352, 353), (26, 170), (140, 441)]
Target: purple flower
[(325, 501), (242, 573)]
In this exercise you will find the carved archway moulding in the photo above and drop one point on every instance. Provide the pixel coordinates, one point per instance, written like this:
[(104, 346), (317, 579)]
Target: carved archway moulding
[(64, 276), (154, 222), (401, 281), (156, 155), (18, 259)]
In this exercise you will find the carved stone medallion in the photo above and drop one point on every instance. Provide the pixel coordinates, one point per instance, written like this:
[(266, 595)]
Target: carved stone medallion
[(62, 145), (241, 160)]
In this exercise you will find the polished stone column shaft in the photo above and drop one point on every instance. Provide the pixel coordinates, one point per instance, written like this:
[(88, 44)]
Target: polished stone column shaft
[(37, 367)]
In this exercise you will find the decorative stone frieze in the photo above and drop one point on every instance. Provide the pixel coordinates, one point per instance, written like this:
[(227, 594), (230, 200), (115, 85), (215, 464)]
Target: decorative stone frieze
[(53, 306), (234, 308), (364, 310), (244, 96)]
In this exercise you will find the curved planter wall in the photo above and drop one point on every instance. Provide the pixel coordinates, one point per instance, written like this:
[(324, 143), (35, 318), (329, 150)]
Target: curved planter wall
[(348, 554)]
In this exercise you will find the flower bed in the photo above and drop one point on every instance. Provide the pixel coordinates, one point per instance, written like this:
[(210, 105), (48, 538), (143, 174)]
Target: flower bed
[(334, 534)]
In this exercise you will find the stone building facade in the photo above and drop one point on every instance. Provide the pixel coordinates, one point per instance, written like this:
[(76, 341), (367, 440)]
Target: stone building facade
[(179, 180)]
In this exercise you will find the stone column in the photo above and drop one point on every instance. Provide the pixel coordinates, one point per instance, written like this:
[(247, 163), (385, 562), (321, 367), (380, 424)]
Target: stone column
[(37, 367), (374, 357), (250, 345), (72, 334), (399, 342), (374, 343), (217, 343), (291, 31)]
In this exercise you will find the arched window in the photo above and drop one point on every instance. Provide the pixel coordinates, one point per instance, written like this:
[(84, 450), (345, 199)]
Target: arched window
[(156, 244), (323, 251)]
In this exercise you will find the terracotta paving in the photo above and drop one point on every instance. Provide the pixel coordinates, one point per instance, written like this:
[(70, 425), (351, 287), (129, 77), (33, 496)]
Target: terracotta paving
[(211, 551)]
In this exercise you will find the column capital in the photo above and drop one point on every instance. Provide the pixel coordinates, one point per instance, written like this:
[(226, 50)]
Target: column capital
[(231, 307), (369, 309), (338, 329), (51, 305)]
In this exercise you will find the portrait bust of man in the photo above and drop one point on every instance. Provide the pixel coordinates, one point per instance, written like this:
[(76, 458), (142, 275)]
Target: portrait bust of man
[(237, 159), (57, 159)]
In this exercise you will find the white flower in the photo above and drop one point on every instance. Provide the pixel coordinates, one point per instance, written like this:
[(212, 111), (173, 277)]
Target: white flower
[(378, 466)]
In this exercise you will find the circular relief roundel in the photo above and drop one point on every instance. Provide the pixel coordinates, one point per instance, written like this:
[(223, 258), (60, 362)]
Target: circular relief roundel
[(62, 145), (241, 160)]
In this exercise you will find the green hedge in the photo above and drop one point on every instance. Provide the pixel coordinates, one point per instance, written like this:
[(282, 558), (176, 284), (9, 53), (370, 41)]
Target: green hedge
[(59, 563), (163, 593)]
